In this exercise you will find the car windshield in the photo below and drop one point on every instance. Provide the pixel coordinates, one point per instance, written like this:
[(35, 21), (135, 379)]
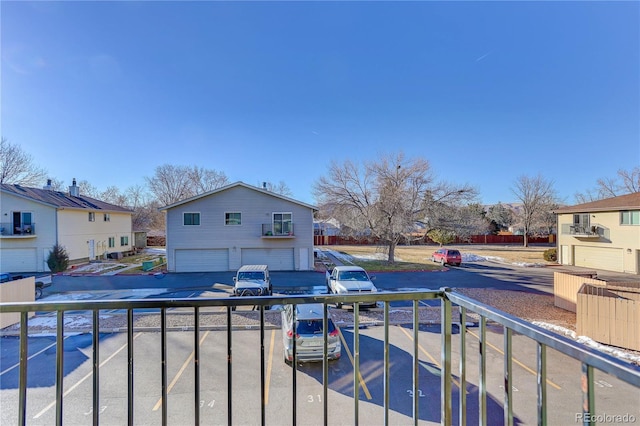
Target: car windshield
[(312, 326), (245, 276), (454, 253), (353, 276)]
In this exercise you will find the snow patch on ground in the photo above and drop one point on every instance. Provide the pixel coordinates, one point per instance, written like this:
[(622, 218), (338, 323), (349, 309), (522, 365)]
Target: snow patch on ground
[(587, 341)]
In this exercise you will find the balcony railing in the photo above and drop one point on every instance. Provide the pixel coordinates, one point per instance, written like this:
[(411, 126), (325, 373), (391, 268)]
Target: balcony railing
[(270, 230), (586, 231), (9, 229), (455, 311)]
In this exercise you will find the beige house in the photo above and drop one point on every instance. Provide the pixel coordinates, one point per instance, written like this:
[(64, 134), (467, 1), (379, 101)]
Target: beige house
[(603, 234), (33, 220)]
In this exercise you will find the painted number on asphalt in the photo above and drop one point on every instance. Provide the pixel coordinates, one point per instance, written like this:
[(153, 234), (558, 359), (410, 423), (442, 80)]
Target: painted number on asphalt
[(312, 398), (603, 384), (513, 388), (210, 404), (420, 394), (102, 410)]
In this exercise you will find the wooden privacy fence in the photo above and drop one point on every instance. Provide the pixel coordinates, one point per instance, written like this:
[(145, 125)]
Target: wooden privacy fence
[(331, 240), (21, 290), (610, 315), (566, 286)]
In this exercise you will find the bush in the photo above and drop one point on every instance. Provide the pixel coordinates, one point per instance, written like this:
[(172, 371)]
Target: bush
[(58, 259), (550, 255)]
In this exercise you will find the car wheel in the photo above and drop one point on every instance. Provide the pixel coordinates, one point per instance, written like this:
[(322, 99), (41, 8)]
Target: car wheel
[(38, 293), (442, 262), (433, 259), (339, 305), (458, 264)]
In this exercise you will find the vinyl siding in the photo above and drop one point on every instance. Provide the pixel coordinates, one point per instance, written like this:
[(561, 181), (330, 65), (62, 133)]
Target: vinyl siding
[(12, 250), (256, 208), (75, 232), (617, 253)]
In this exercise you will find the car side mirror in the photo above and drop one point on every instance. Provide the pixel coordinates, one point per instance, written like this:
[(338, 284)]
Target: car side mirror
[(372, 277), (234, 279)]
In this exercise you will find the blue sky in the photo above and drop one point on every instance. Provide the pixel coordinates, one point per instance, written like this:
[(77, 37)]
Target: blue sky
[(273, 91)]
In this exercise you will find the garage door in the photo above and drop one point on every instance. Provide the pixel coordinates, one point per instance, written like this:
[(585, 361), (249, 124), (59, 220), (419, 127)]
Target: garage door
[(280, 259), (608, 259), (18, 260), (212, 260)]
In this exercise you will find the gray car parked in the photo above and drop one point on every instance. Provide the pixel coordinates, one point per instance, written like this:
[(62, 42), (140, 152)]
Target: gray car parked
[(309, 333)]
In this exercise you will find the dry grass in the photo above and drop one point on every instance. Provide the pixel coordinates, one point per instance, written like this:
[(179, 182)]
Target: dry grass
[(419, 257)]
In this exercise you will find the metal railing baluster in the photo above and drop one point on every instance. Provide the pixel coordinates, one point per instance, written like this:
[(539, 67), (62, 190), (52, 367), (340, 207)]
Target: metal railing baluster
[(356, 363), (96, 366), (196, 365), (24, 359), (263, 394), (325, 365), (462, 406), (59, 366), (446, 389), (229, 369), (508, 378), (387, 361), (588, 394), (416, 362), (482, 373), (541, 376), (294, 365), (163, 363), (130, 395)]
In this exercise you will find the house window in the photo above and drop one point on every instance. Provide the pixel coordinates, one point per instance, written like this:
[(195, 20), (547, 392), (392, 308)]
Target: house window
[(581, 223), (191, 218), (124, 241), (107, 217), (112, 242), (92, 217), (282, 223), (233, 219), (22, 222), (630, 217)]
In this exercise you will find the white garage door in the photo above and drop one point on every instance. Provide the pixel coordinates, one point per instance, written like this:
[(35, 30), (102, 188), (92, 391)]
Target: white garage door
[(211, 260), (609, 259), (276, 259), (18, 260)]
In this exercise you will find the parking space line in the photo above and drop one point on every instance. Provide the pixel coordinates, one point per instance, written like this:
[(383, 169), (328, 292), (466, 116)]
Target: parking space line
[(363, 384), (48, 407), (269, 366), (515, 360), (179, 373), (32, 356), (424, 351)]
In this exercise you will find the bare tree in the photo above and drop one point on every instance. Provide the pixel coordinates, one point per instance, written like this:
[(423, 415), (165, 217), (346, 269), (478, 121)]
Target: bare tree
[(205, 180), (537, 196), (626, 182), (171, 184), (383, 199), (17, 167), (280, 188), (88, 190)]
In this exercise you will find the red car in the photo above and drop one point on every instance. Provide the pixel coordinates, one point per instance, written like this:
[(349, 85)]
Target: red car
[(447, 256)]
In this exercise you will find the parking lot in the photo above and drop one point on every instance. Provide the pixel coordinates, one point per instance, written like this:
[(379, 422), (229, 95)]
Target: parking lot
[(564, 399)]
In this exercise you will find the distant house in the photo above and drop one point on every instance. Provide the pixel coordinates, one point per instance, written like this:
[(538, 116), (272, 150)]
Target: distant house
[(603, 234), (34, 220), (236, 225)]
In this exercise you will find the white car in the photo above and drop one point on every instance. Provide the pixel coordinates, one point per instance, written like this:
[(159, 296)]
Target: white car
[(350, 280)]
